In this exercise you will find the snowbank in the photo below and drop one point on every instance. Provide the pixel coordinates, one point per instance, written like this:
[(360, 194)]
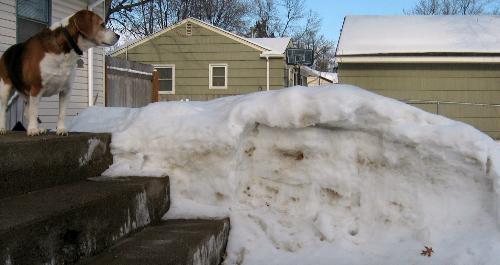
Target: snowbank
[(333, 174)]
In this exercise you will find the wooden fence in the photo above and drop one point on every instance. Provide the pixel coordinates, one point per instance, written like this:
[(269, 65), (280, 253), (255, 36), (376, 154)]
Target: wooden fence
[(130, 84)]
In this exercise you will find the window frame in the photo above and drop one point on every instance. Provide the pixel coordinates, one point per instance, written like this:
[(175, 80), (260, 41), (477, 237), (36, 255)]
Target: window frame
[(210, 75), (172, 66), (49, 22)]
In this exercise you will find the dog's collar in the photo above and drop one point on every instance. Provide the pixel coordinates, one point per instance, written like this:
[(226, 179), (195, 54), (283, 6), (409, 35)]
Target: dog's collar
[(72, 41)]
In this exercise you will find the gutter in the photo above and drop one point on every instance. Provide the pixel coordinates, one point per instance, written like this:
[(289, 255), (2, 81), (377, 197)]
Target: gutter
[(90, 61), (417, 59)]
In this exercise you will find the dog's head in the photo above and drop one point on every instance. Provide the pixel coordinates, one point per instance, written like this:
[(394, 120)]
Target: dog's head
[(93, 30)]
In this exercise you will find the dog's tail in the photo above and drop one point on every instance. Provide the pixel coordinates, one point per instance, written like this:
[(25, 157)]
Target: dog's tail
[(12, 99)]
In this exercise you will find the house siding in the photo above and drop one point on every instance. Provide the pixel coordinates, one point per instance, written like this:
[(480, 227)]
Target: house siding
[(49, 107), (7, 24), (469, 83), (192, 55)]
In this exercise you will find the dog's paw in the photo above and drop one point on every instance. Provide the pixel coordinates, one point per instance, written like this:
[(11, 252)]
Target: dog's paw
[(3, 131), (62, 132), (36, 131)]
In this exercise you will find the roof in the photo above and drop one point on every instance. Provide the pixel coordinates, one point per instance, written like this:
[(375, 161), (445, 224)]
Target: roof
[(332, 77), (417, 35), (275, 46)]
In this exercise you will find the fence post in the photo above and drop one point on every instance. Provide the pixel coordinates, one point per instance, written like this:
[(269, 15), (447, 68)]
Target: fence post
[(437, 108), (156, 86)]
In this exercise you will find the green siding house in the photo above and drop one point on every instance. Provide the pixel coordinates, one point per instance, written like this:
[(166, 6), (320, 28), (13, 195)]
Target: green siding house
[(449, 65), (198, 61)]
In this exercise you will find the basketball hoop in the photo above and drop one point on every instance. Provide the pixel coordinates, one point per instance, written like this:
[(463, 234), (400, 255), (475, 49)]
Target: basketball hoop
[(297, 58)]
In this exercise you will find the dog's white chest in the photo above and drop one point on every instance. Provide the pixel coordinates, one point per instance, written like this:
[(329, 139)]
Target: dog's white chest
[(57, 72)]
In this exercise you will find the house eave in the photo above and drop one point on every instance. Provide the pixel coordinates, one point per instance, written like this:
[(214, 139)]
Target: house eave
[(271, 55), (197, 22), (492, 58)]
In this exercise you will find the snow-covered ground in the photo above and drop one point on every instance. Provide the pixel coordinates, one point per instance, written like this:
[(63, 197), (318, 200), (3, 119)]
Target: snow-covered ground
[(312, 176)]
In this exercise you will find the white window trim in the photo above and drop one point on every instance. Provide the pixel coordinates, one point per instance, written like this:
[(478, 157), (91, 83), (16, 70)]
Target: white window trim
[(173, 78), (210, 75)]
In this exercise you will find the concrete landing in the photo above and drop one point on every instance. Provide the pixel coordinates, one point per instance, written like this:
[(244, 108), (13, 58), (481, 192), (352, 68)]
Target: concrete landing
[(33, 163), (173, 242), (61, 225)]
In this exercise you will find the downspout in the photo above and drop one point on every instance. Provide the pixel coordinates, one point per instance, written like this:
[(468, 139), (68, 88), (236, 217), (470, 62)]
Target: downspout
[(90, 62), (267, 75), (267, 56)]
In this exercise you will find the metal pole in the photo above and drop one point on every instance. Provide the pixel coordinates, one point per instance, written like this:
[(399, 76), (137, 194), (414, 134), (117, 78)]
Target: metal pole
[(299, 77)]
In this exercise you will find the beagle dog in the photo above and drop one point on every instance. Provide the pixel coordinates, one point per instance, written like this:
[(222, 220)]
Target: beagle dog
[(45, 65)]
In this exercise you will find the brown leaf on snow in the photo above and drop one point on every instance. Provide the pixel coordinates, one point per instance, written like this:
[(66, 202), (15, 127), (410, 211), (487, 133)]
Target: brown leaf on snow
[(427, 252)]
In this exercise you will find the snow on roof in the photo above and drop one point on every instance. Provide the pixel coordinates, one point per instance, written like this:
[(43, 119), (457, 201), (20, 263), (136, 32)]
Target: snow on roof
[(277, 45), (419, 34), (326, 75)]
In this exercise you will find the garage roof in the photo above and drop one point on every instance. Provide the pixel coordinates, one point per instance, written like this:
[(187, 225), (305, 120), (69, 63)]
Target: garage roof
[(392, 35)]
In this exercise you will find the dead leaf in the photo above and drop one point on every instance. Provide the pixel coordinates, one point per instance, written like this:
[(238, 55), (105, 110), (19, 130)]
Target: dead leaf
[(427, 251)]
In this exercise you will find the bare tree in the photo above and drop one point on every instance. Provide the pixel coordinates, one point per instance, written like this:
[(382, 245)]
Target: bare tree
[(266, 16), (294, 11), (139, 18), (113, 6), (425, 7), (453, 7), (309, 37), (277, 17), (227, 14)]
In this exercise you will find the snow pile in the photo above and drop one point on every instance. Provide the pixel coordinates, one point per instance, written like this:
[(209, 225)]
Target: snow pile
[(333, 174)]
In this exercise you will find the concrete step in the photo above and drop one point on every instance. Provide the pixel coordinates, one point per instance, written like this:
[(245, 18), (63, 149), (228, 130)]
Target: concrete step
[(173, 242), (61, 225), (34, 163)]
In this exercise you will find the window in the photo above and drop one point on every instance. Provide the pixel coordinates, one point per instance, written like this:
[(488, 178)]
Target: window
[(32, 17), (166, 75), (189, 29), (217, 76)]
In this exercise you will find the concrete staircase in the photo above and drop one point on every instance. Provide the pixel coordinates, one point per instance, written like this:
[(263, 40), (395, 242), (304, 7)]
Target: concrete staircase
[(52, 210)]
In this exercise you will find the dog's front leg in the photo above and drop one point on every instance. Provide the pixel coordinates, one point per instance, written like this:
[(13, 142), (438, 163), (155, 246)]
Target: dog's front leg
[(64, 96), (33, 129)]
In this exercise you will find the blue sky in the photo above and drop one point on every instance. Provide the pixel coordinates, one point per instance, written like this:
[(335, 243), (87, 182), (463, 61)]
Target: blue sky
[(333, 12)]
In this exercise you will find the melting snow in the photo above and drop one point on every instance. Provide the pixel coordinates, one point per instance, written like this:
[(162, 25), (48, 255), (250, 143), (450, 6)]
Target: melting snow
[(332, 174), (93, 143)]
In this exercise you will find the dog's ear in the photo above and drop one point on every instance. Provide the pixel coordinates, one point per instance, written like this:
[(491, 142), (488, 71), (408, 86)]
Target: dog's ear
[(86, 22)]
